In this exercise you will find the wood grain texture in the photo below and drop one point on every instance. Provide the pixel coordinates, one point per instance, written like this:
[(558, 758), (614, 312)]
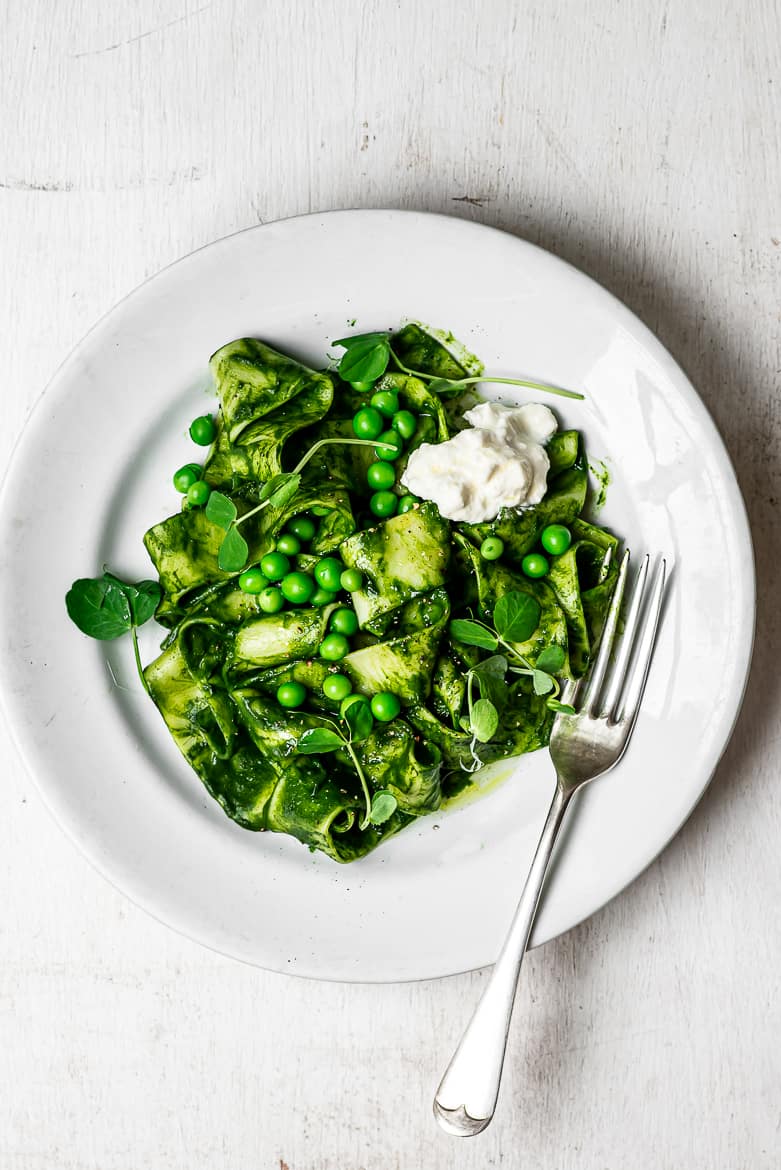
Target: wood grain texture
[(640, 141)]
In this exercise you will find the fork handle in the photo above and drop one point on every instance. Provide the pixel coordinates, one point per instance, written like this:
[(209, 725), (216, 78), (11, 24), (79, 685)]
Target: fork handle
[(466, 1098)]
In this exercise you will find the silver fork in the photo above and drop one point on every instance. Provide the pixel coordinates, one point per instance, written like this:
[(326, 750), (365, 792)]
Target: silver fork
[(582, 746)]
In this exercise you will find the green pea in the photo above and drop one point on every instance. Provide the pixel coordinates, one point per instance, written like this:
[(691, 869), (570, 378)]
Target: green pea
[(392, 446), (303, 528), (556, 539), (362, 387), (491, 548), (274, 565), (405, 424), (367, 423), (534, 565), (386, 401), (407, 503), (271, 600), (186, 476), (337, 687), (333, 647), (297, 588), (343, 621), (321, 597), (380, 475), (291, 694), (351, 580), (327, 573), (384, 504), (385, 706), (198, 493), (289, 544), (252, 580), (203, 430)]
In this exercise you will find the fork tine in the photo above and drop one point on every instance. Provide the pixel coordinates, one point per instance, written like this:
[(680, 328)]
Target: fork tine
[(618, 670), (635, 686), (596, 675)]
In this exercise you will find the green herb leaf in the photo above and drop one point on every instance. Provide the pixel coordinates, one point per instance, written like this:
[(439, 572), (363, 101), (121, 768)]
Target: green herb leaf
[(484, 720), (452, 386), (220, 510), (317, 740), (273, 485), (490, 675), (233, 553), (283, 494), (366, 357), (472, 634), (100, 607), (561, 708), (384, 805), (516, 616), (144, 599), (280, 489), (543, 683), (445, 386), (551, 659), (360, 721)]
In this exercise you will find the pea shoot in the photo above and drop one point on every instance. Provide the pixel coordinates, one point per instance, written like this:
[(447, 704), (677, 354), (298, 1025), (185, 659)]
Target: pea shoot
[(276, 493), (106, 608), (516, 616), (356, 717), (367, 356)]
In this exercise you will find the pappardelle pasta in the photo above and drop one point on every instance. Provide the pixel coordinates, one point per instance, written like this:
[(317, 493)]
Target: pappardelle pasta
[(341, 656)]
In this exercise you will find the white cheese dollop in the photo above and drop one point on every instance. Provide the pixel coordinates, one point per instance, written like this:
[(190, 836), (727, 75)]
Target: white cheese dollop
[(498, 462)]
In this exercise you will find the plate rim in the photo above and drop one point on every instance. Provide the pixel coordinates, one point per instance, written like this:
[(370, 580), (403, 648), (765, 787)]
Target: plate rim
[(56, 386)]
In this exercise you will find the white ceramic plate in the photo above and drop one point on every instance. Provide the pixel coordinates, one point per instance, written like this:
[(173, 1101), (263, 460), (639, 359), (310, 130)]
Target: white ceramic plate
[(92, 473)]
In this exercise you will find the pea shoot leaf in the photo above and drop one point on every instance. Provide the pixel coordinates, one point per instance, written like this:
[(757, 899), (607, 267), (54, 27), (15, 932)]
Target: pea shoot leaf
[(516, 616), (220, 510), (543, 683), (280, 488), (234, 551), (99, 608), (472, 634), (551, 659), (144, 599), (384, 805), (490, 675), (561, 708), (358, 718), (365, 358), (105, 607), (445, 386), (484, 720), (317, 740)]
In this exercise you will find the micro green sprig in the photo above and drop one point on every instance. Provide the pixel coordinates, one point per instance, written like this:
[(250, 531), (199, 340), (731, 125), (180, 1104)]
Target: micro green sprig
[(516, 616), (276, 493), (367, 356), (106, 608), (358, 719)]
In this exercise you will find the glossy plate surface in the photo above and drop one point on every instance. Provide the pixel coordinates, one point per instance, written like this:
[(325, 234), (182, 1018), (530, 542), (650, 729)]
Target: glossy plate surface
[(92, 473)]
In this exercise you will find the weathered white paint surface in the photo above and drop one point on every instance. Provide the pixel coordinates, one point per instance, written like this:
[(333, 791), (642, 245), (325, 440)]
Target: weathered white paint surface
[(639, 140)]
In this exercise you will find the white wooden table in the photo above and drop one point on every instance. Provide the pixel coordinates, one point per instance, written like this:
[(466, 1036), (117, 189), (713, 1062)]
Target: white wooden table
[(638, 139)]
